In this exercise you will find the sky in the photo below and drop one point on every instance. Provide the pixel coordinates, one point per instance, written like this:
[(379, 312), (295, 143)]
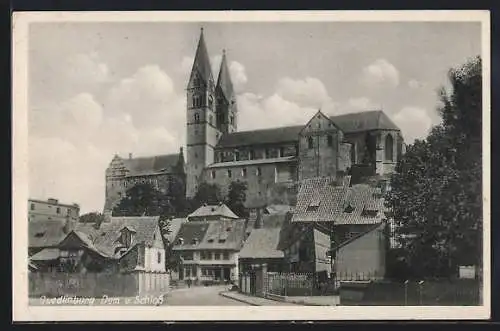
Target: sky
[(97, 89)]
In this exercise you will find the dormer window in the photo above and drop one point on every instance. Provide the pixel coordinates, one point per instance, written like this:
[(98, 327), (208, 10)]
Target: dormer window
[(314, 205), (180, 241), (39, 234), (221, 241), (195, 241), (349, 209)]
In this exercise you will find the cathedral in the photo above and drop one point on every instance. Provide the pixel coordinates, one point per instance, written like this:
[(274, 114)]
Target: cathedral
[(269, 161)]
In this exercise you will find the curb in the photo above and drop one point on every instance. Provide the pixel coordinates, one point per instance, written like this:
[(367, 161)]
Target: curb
[(223, 294)]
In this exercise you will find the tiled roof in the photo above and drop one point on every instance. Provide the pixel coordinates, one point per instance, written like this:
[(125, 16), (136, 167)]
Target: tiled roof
[(46, 254), (262, 243), (252, 162), (106, 237), (175, 226), (353, 122), (213, 210), (222, 234), (45, 233), (364, 121), (152, 164), (337, 203)]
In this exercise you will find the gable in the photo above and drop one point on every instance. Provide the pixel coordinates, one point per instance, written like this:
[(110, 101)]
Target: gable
[(319, 123)]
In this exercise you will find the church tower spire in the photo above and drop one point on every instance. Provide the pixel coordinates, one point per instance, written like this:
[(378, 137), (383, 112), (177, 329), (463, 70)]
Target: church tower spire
[(202, 132), (226, 99)]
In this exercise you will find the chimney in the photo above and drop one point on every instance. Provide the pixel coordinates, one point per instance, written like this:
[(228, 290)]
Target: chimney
[(129, 156)]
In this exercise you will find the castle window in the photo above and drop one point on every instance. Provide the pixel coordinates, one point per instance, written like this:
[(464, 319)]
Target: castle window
[(259, 171), (244, 172), (213, 174), (330, 140), (389, 150), (197, 118), (229, 174), (310, 142), (32, 206)]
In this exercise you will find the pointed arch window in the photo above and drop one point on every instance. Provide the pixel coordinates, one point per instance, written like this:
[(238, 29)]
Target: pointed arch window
[(197, 118), (310, 142), (196, 101), (389, 148)]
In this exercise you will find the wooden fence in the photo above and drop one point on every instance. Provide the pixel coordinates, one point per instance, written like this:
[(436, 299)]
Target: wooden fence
[(96, 284)]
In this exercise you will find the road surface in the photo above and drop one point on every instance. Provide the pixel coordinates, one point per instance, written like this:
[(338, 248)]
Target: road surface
[(200, 296)]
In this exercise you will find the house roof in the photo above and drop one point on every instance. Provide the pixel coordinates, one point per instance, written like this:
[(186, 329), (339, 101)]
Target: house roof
[(338, 203), (221, 234), (262, 243), (348, 123), (45, 233), (46, 254), (213, 210), (175, 226), (152, 164), (278, 209), (105, 239)]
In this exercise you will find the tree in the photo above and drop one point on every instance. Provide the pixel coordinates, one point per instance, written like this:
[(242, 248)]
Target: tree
[(236, 198), (436, 195), (206, 193), (92, 217), (143, 200)]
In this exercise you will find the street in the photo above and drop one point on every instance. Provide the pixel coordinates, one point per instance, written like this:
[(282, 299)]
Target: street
[(200, 296)]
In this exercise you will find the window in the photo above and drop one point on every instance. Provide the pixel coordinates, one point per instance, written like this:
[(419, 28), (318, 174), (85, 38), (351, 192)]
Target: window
[(213, 174), (237, 155), (232, 120), (259, 171), (389, 149), (244, 172), (32, 206), (221, 241), (229, 174), (195, 155), (58, 210), (267, 153), (330, 140), (225, 255), (251, 154), (188, 256), (310, 142), (159, 257), (349, 209), (210, 119), (216, 256), (282, 152), (197, 118), (39, 234), (353, 153), (313, 205)]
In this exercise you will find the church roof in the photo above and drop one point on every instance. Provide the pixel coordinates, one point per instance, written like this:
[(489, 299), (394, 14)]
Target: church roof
[(202, 61), (263, 136), (348, 123), (364, 121), (224, 80), (151, 164)]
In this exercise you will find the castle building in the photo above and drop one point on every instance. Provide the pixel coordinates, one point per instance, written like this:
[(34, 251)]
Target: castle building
[(268, 160)]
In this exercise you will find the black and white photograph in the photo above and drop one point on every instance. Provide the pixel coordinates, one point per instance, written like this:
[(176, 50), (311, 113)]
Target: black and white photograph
[(251, 165)]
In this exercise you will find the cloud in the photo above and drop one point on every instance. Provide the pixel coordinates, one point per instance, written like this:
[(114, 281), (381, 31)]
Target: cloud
[(256, 112), (238, 75), (380, 73), (86, 69), (71, 143), (358, 104), (414, 123), (308, 92), (414, 84)]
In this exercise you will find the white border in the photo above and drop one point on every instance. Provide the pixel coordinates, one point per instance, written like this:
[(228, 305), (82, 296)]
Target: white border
[(23, 312)]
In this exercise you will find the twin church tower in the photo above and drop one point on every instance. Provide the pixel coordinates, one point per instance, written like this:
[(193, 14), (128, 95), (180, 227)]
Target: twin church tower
[(211, 112)]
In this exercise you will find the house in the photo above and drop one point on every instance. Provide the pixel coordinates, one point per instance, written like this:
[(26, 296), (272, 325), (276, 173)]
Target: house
[(52, 210), (353, 216), (212, 212), (208, 250)]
